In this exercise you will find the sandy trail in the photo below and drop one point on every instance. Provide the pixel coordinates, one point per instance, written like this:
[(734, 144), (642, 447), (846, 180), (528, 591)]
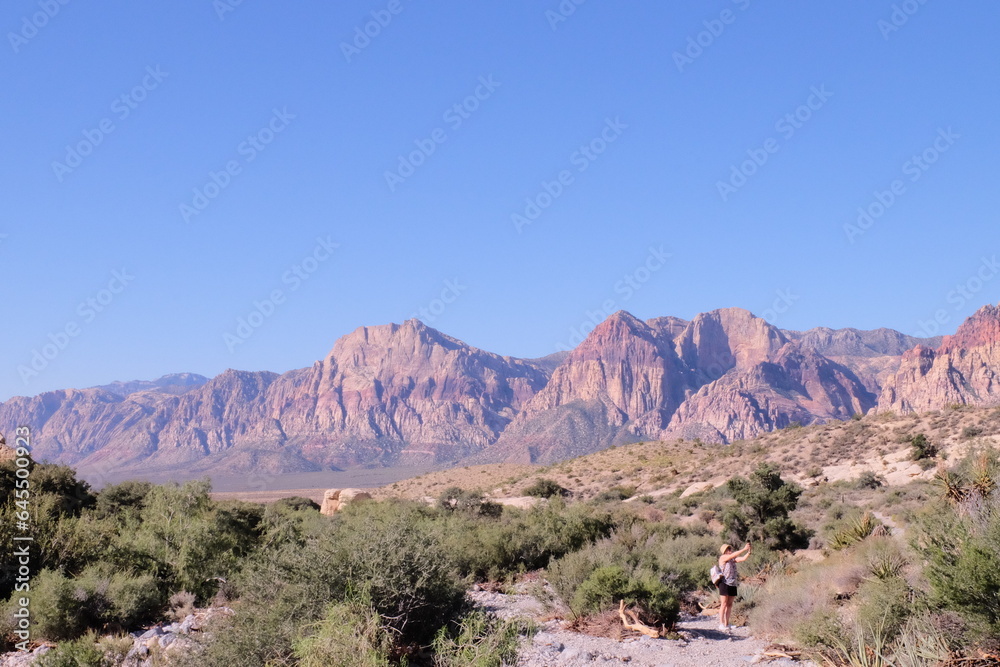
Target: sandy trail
[(704, 645)]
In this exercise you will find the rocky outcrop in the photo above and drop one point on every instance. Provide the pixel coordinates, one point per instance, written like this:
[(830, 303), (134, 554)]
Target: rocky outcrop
[(963, 370), (723, 376), (795, 385), (335, 500), (874, 355)]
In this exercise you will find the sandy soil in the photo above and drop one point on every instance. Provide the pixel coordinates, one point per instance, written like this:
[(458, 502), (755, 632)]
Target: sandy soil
[(702, 643)]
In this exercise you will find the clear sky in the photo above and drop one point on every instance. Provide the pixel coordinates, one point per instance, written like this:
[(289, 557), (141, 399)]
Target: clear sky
[(514, 169)]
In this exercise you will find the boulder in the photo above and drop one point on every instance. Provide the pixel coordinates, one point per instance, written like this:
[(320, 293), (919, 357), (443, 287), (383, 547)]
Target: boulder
[(331, 502), (335, 500)]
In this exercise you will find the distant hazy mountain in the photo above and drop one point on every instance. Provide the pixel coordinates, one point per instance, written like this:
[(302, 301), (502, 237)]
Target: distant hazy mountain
[(175, 383), (407, 393)]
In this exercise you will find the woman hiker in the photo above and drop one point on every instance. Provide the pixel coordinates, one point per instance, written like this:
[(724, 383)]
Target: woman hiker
[(730, 577)]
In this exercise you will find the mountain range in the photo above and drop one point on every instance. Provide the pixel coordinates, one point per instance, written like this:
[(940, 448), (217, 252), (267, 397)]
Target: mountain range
[(400, 394)]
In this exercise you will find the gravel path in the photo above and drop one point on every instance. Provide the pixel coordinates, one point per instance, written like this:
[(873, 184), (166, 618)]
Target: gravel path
[(703, 644)]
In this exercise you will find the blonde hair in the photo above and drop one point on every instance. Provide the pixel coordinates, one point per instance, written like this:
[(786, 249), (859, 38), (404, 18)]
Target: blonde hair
[(724, 549)]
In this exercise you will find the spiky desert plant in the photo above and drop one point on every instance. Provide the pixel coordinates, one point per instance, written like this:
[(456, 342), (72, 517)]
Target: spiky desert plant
[(952, 486), (857, 530), (984, 475)]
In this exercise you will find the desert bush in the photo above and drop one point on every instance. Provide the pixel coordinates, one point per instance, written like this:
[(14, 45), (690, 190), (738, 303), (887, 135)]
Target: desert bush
[(804, 604), (971, 432), (296, 504), (181, 605), (193, 541), (648, 569), (350, 634), (869, 480), (763, 503), (120, 500), (615, 493), (385, 553), (520, 540), (58, 613), (922, 643), (457, 499), (81, 652), (922, 448), (546, 488), (65, 608), (480, 639), (607, 585), (963, 566)]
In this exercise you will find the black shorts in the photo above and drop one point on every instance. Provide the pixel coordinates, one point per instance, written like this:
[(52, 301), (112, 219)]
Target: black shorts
[(726, 589)]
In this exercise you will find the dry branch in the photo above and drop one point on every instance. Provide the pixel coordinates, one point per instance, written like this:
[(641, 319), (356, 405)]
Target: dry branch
[(636, 624)]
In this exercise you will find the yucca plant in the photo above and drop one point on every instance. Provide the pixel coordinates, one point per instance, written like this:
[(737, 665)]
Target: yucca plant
[(886, 565), (920, 644), (983, 475), (867, 649), (857, 530), (951, 485)]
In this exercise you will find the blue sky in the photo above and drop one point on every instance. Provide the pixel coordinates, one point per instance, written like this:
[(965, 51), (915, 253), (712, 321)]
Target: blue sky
[(169, 169)]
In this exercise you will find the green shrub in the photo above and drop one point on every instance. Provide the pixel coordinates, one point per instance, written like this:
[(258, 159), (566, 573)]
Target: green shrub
[(520, 540), (971, 432), (350, 634), (963, 565), (480, 640), (883, 605), (297, 504), (763, 503), (601, 590), (385, 553), (869, 480), (193, 541), (457, 499), (615, 493), (65, 608), (58, 611), (546, 488), (120, 500), (922, 448), (82, 652), (596, 578)]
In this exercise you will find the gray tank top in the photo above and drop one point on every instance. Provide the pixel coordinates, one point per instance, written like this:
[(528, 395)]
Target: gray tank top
[(729, 573)]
